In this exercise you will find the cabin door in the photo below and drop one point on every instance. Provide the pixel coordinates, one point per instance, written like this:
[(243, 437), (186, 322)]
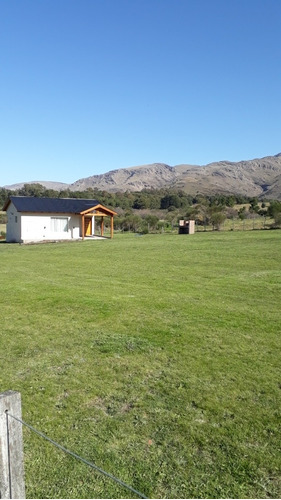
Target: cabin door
[(88, 226)]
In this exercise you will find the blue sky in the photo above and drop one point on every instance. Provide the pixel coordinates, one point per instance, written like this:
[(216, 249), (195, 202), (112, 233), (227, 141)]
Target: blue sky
[(88, 86)]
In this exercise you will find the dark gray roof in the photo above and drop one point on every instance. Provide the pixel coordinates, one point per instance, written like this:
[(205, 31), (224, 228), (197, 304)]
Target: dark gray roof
[(51, 205)]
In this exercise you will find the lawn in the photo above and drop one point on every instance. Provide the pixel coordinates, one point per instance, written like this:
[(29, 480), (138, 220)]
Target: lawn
[(156, 357)]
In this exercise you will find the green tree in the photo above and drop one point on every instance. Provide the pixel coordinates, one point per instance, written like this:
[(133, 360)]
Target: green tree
[(274, 211), (254, 207), (141, 201), (151, 222), (131, 223), (170, 200), (242, 213), (217, 218), (35, 189), (4, 195), (3, 218)]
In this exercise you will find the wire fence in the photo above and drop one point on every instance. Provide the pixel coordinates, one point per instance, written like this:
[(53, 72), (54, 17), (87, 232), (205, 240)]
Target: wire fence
[(254, 223), (77, 457)]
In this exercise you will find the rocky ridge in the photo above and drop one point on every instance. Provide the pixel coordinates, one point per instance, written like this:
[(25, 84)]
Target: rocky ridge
[(259, 178)]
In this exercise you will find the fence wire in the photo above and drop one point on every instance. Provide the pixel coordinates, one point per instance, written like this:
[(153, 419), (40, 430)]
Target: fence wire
[(71, 453)]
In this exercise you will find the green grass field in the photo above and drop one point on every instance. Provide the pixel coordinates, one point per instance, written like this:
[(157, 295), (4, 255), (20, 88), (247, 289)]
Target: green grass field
[(156, 357)]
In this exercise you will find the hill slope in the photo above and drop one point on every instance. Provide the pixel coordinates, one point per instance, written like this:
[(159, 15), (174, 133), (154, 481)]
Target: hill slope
[(258, 177)]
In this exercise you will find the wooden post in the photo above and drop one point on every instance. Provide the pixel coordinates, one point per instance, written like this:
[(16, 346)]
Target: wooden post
[(11, 447), (102, 226), (111, 226), (83, 226)]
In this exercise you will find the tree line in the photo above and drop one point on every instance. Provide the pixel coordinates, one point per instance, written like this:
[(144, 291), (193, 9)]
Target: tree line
[(137, 210), (147, 199)]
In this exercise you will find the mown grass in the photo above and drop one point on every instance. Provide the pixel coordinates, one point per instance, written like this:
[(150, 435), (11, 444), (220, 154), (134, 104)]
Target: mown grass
[(155, 357)]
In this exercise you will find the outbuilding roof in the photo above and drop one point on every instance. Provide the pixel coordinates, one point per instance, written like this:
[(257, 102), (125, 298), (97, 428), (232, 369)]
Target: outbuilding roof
[(52, 205)]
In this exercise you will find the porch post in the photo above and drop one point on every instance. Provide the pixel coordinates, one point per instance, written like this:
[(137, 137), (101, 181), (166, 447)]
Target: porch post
[(111, 226), (83, 226), (102, 226)]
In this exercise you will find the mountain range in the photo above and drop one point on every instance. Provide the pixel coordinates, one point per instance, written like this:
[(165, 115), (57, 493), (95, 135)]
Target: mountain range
[(259, 178)]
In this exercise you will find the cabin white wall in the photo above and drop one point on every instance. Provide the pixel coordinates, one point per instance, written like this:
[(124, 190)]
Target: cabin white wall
[(39, 227), (75, 224), (13, 228), (33, 227)]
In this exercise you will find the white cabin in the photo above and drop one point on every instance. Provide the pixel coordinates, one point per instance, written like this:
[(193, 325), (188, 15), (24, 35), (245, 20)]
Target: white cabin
[(32, 219)]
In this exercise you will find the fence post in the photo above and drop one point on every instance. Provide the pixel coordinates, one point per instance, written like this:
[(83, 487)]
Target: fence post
[(11, 447)]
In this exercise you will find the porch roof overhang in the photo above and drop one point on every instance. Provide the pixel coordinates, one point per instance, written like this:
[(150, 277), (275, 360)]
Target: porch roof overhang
[(99, 210)]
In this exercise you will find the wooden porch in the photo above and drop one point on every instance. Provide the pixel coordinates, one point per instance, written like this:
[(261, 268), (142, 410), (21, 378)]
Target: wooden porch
[(93, 212)]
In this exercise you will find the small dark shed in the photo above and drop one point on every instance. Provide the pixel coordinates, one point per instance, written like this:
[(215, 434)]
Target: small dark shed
[(186, 227)]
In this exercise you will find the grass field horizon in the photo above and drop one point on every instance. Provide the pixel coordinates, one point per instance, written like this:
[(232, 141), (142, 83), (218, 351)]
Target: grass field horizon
[(156, 357)]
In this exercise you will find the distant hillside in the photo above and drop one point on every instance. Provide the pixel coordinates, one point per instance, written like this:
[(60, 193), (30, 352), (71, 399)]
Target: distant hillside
[(153, 176), (57, 186), (258, 177)]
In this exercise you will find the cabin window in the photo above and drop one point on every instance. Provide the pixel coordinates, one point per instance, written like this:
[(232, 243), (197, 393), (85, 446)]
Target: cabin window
[(59, 224)]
